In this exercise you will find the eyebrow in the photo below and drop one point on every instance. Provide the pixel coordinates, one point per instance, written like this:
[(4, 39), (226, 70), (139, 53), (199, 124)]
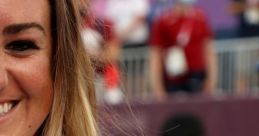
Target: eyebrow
[(17, 28)]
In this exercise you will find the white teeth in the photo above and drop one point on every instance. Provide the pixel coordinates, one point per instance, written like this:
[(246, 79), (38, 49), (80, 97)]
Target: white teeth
[(5, 107)]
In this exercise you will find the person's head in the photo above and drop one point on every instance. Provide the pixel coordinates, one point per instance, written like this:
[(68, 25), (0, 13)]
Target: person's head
[(183, 124), (45, 76), (183, 7)]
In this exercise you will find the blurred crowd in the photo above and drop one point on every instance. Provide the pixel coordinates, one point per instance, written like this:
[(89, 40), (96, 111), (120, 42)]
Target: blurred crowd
[(179, 34)]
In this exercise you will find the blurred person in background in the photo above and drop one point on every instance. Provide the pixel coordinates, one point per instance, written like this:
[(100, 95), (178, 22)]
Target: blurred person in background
[(103, 45), (182, 56), (247, 13), (129, 17)]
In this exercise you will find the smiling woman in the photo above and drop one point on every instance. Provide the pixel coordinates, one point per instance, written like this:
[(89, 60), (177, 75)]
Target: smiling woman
[(45, 76)]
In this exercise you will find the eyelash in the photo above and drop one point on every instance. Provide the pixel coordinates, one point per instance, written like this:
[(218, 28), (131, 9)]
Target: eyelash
[(20, 46)]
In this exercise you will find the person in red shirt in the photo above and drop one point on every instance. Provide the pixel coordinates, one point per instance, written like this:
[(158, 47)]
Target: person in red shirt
[(181, 38)]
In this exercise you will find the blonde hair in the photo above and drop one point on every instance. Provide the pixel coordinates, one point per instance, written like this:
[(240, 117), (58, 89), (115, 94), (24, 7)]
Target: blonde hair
[(73, 109)]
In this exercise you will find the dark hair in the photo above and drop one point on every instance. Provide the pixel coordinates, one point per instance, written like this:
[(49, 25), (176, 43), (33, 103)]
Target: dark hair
[(183, 125)]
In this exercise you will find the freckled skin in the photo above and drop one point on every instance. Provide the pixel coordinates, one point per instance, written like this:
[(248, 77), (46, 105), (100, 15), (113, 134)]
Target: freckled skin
[(25, 75)]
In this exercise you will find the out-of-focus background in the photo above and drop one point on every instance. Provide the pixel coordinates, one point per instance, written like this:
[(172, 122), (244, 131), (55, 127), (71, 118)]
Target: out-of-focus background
[(231, 109)]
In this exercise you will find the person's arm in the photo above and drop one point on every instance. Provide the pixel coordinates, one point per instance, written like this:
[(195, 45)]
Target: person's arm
[(156, 73), (111, 51), (111, 48), (211, 62)]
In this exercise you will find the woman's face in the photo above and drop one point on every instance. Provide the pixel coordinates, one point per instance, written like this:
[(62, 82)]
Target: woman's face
[(25, 79)]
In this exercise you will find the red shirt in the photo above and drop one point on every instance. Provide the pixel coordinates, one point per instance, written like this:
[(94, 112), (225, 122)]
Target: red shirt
[(167, 27)]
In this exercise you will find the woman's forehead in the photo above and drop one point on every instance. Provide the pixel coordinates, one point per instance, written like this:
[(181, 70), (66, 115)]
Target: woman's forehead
[(24, 11)]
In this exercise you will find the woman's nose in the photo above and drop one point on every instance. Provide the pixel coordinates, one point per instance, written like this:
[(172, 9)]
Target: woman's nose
[(3, 74)]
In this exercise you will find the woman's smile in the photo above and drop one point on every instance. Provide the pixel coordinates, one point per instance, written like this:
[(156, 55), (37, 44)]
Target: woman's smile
[(26, 86)]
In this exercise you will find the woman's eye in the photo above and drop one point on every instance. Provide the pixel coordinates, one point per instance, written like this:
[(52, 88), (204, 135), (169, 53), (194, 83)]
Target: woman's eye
[(21, 46)]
